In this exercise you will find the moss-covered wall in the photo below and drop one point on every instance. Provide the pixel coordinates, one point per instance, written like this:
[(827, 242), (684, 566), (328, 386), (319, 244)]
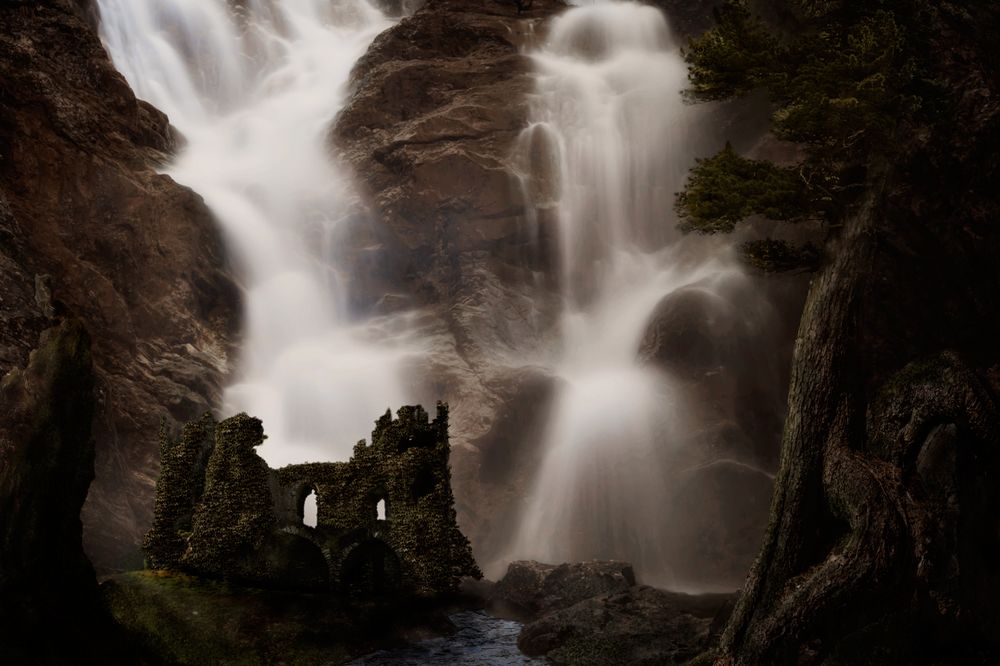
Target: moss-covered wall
[(182, 482), (235, 515), (406, 465), (221, 512)]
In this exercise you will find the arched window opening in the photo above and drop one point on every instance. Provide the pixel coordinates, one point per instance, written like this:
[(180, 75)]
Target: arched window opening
[(380, 510), (309, 512)]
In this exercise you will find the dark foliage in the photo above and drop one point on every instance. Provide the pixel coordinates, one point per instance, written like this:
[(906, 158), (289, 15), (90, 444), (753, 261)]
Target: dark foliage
[(843, 78)]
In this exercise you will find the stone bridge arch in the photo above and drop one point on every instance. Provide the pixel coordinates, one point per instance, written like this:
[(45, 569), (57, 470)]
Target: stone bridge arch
[(371, 568)]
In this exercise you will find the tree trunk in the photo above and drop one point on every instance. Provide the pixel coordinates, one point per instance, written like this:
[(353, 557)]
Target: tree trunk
[(884, 539)]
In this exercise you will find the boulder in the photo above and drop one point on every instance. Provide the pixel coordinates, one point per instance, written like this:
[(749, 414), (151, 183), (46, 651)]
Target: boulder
[(636, 627), (541, 588), (717, 518), (693, 331)]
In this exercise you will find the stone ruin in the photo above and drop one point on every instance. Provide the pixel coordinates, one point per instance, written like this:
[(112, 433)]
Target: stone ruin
[(221, 512)]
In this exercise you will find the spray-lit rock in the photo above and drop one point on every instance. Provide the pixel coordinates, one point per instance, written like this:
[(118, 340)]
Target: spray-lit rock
[(129, 252), (431, 129), (541, 588)]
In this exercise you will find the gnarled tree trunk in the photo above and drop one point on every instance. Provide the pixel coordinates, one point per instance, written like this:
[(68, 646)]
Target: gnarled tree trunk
[(884, 540)]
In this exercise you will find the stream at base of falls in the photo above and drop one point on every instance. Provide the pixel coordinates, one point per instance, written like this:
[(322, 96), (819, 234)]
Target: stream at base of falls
[(480, 640)]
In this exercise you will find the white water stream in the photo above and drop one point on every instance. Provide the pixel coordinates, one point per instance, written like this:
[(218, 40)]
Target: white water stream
[(608, 97), (254, 91)]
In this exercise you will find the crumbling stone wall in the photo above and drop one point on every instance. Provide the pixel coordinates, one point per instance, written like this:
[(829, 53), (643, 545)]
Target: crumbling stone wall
[(221, 512), (181, 484), (235, 516)]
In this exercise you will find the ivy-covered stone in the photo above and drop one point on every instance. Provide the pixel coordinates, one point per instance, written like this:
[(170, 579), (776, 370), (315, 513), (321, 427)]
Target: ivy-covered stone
[(221, 512)]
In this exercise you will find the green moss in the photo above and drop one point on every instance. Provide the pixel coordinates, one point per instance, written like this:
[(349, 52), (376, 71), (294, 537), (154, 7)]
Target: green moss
[(180, 486), (591, 651), (244, 520), (235, 514), (187, 620), (893, 405)]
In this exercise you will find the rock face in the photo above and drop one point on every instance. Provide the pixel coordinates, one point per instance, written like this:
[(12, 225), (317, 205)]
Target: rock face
[(90, 229), (51, 611), (594, 613), (432, 133), (439, 102)]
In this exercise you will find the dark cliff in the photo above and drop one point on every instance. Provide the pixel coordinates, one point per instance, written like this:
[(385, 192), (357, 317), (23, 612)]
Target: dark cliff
[(89, 229), (50, 610)]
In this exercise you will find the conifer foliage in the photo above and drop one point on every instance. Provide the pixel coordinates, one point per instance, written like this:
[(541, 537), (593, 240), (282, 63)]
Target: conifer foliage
[(842, 78)]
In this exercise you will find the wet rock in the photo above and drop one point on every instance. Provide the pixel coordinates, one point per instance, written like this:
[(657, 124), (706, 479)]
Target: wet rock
[(638, 626), (594, 613), (432, 132), (693, 331), (439, 102), (541, 588), (128, 251)]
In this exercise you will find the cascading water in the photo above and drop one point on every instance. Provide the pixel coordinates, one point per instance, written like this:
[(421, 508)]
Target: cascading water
[(253, 87), (609, 105)]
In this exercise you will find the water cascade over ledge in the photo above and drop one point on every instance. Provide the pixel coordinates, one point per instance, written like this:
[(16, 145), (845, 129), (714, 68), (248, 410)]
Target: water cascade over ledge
[(610, 111), (253, 91)]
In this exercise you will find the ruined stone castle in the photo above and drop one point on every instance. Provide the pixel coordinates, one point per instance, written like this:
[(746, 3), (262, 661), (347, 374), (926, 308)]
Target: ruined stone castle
[(385, 519)]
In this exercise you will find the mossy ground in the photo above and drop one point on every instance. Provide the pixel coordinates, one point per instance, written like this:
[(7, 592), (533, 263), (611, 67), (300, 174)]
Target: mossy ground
[(180, 619)]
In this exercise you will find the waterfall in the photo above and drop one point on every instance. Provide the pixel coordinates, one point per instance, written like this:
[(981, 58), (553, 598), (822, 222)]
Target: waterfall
[(253, 87), (608, 103)]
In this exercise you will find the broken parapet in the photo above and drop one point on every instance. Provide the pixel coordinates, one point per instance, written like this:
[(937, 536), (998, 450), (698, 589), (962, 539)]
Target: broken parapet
[(221, 512)]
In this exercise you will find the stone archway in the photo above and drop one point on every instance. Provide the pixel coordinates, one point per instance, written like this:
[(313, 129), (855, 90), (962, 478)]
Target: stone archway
[(370, 568)]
